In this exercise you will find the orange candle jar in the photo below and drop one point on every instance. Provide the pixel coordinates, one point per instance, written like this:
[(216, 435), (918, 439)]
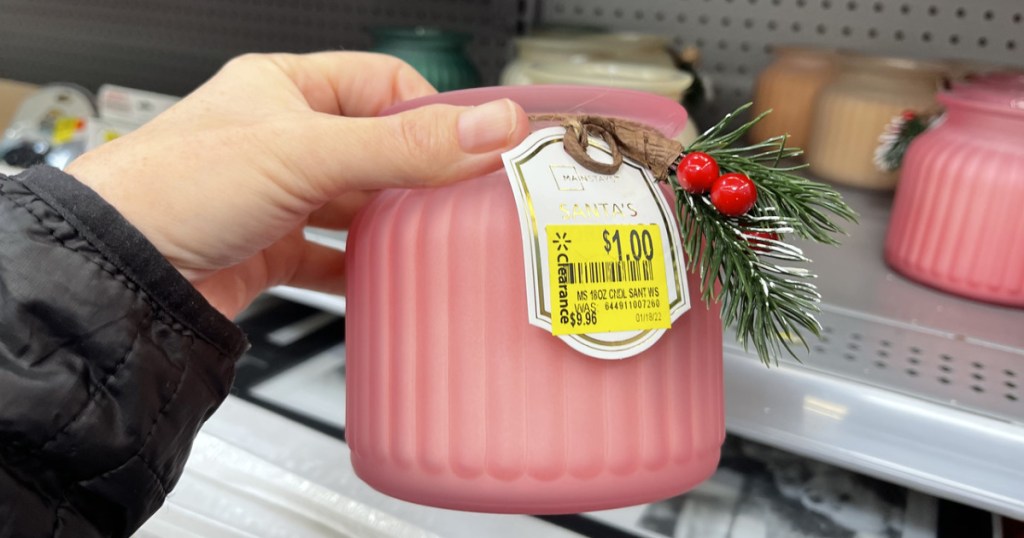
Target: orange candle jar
[(789, 87)]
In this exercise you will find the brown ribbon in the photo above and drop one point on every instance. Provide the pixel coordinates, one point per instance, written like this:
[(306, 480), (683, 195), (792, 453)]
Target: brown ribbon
[(639, 142)]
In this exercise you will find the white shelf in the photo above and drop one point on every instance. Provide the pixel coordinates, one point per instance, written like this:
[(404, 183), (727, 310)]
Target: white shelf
[(334, 304), (911, 385)]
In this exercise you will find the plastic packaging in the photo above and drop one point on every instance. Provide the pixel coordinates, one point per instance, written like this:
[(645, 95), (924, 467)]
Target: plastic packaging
[(228, 492)]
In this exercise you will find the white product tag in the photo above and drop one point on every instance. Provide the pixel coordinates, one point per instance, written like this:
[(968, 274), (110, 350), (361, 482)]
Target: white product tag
[(604, 264), (128, 108)]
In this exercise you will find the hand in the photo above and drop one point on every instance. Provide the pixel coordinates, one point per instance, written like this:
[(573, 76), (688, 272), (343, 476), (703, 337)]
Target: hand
[(224, 182)]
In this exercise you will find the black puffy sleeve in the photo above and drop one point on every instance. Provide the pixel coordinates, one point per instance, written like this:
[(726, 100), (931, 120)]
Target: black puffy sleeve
[(110, 362)]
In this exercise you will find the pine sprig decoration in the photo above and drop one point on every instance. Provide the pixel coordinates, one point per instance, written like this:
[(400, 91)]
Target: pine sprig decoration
[(742, 261), (896, 138)]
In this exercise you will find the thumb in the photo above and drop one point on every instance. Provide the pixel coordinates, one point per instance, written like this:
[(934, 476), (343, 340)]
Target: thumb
[(427, 146)]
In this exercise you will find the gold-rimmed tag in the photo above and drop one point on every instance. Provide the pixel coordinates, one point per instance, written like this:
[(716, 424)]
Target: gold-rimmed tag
[(613, 290)]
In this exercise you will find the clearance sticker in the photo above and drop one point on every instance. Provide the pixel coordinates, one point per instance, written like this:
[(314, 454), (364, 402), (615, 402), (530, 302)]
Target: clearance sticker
[(599, 286), (603, 262)]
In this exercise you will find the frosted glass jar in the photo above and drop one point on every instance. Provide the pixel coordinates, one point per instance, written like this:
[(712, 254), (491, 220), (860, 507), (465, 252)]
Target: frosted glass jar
[(664, 81), (438, 55), (852, 111), (789, 87), (957, 222), (454, 400)]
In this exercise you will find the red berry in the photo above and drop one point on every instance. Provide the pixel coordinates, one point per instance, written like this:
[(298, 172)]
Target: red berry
[(733, 194), (697, 171)]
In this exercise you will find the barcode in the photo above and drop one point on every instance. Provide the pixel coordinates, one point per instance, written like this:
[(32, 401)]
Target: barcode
[(604, 272)]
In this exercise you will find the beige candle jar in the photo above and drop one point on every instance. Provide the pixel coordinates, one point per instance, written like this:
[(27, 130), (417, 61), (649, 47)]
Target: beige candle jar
[(664, 81), (789, 87), (852, 111), (582, 47), (534, 49)]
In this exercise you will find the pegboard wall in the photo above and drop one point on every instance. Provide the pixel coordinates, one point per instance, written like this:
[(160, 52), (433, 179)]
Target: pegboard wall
[(171, 46), (735, 36)]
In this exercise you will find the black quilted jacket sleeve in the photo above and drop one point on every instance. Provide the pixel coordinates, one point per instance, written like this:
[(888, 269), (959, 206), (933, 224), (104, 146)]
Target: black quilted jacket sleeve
[(109, 363)]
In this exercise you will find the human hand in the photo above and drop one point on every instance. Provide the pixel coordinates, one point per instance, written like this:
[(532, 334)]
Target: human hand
[(224, 182)]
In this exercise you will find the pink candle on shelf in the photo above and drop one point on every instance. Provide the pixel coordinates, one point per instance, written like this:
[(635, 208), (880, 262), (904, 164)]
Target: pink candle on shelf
[(455, 400), (956, 221)]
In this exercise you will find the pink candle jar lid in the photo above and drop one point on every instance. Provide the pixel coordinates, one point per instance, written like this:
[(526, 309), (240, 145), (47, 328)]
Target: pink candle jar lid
[(996, 92), (655, 111), (1001, 79)]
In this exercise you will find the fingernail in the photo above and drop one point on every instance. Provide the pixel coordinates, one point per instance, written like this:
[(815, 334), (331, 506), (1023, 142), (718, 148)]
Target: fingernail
[(486, 127)]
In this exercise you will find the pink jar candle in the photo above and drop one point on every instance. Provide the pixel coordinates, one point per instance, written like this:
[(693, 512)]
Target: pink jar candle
[(455, 400), (957, 222)]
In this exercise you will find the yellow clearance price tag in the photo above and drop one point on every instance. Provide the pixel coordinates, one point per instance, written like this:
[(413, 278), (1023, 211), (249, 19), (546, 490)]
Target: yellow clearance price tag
[(607, 278), (64, 129)]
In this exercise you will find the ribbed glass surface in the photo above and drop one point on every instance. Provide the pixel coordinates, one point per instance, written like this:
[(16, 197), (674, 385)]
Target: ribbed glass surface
[(957, 222), (455, 400)]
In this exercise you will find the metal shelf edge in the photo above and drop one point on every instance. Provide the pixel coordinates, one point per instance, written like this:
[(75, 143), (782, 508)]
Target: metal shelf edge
[(335, 304), (920, 444)]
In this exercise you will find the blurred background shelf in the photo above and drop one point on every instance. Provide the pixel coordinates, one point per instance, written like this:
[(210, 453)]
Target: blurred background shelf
[(909, 384), (334, 304)]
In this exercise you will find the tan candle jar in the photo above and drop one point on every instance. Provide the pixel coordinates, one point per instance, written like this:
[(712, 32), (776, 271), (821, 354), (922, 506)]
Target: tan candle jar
[(852, 111)]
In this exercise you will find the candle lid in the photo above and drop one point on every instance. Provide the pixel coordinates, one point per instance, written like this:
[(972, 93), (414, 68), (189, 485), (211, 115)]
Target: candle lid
[(893, 65), (997, 92), (806, 53), (658, 112), (664, 81)]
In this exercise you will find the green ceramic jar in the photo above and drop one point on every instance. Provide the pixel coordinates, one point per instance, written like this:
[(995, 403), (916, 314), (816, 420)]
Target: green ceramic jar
[(438, 55)]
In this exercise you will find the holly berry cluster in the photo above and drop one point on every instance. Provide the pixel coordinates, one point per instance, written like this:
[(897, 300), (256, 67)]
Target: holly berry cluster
[(732, 231), (733, 194), (897, 136)]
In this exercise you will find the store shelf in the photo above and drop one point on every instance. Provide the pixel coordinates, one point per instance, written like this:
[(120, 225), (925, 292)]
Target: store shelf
[(334, 304), (909, 384)]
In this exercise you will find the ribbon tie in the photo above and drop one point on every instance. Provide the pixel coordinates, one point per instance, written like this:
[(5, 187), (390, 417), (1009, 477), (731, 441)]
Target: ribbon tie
[(639, 142)]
